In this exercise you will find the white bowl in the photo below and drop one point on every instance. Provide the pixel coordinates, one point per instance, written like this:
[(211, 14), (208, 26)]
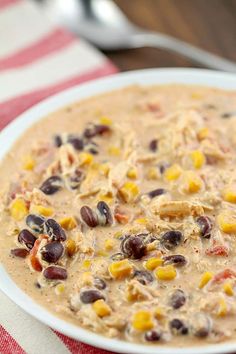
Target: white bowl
[(18, 126)]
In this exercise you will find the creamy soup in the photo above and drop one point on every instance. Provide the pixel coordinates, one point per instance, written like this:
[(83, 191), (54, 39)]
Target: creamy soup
[(118, 214)]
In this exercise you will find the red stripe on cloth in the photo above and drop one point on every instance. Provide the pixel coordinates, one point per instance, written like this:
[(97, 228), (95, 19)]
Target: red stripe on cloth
[(5, 3), (53, 41), (13, 107), (76, 347), (8, 345)]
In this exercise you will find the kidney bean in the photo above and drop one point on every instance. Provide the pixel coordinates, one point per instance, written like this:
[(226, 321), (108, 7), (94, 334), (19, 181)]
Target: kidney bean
[(96, 129), (132, 246), (171, 239), (201, 325), (20, 252), (205, 224), (143, 276), (52, 252), (35, 222), (153, 145), (177, 299), (90, 296), (156, 192), (89, 216), (99, 283), (104, 214), (52, 185), (178, 327), (26, 238), (55, 273), (176, 259), (76, 142), (54, 230), (152, 336)]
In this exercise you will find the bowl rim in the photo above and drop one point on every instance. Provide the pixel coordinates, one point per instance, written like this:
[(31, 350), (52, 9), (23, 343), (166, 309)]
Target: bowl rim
[(14, 130)]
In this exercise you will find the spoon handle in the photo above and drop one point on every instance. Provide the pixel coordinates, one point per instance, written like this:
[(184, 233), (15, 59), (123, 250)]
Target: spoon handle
[(189, 51)]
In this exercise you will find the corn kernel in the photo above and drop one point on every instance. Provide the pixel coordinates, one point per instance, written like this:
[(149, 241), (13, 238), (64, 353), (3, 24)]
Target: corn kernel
[(114, 151), (60, 289), (228, 289), (18, 209), (222, 310), (86, 263), (192, 182), (86, 278), (153, 263), (198, 158), (142, 221), (129, 191), (166, 273), (120, 269), (118, 234), (105, 169), (132, 173), (142, 321), (173, 172), (68, 223), (85, 158), (158, 313), (206, 277), (109, 244), (28, 163), (227, 222), (203, 134), (70, 247), (105, 121), (152, 173), (101, 308), (108, 198), (229, 194), (42, 210)]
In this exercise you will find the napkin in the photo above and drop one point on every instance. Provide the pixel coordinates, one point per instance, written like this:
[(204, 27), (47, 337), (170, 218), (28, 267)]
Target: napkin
[(38, 59)]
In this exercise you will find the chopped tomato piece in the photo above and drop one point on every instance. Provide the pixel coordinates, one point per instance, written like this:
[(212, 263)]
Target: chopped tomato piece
[(225, 274), (34, 261), (218, 250), (121, 218)]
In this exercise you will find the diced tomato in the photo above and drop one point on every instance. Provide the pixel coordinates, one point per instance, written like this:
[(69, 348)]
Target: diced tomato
[(34, 261), (225, 274), (121, 218), (217, 250), (36, 265)]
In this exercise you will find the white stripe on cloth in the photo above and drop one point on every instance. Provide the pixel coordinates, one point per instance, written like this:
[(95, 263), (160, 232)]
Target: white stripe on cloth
[(71, 61), (21, 24), (31, 335)]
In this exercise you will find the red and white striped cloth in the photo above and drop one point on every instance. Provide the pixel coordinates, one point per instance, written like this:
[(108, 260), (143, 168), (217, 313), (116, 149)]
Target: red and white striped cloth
[(38, 59)]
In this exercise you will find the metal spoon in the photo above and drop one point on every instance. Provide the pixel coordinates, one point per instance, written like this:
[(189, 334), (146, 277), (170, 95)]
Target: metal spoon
[(102, 23)]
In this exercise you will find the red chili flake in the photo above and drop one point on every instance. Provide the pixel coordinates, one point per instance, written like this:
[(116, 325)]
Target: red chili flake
[(218, 250), (224, 274)]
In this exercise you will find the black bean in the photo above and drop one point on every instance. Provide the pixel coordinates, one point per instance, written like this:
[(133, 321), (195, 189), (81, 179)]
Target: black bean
[(201, 326), (152, 336), (156, 192), (54, 230), (96, 129), (177, 299), (178, 327), (26, 238), (153, 145), (143, 276), (89, 216), (205, 224), (105, 216), (52, 252), (90, 296), (228, 114), (55, 273), (52, 185), (76, 142), (171, 239), (176, 259), (19, 252), (58, 141), (75, 179), (99, 283), (117, 256), (92, 148), (133, 246), (35, 222), (163, 166)]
